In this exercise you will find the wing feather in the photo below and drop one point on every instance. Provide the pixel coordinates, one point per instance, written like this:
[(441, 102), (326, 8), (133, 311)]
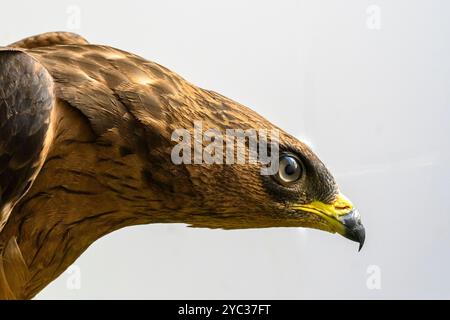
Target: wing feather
[(26, 101), (49, 39)]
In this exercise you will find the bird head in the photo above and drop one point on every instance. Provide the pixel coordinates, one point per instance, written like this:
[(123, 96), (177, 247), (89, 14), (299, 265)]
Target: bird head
[(287, 187)]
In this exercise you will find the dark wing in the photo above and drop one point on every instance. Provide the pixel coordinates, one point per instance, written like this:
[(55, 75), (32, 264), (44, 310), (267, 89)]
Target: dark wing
[(26, 100), (49, 39)]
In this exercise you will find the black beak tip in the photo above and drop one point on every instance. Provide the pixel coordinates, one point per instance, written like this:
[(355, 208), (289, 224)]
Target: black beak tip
[(354, 229), (362, 238), (357, 234)]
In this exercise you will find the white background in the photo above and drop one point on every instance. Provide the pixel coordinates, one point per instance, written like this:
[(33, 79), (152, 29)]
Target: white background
[(374, 104)]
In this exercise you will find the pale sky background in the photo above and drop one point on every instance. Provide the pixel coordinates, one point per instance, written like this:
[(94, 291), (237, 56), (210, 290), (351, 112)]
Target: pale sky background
[(370, 95)]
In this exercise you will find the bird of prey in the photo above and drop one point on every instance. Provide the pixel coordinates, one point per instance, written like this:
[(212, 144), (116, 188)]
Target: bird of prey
[(85, 149)]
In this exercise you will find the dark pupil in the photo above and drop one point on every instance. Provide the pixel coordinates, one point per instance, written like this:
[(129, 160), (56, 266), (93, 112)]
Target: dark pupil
[(290, 168)]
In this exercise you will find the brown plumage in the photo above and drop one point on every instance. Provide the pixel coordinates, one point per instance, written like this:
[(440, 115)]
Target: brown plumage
[(85, 145)]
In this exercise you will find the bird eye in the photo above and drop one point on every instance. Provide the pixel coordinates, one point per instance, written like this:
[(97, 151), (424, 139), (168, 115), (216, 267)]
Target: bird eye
[(290, 169)]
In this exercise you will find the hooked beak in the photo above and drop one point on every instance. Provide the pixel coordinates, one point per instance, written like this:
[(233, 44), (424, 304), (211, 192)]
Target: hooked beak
[(342, 217)]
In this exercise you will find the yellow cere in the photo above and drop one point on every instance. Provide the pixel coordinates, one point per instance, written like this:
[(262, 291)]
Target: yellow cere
[(330, 212)]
